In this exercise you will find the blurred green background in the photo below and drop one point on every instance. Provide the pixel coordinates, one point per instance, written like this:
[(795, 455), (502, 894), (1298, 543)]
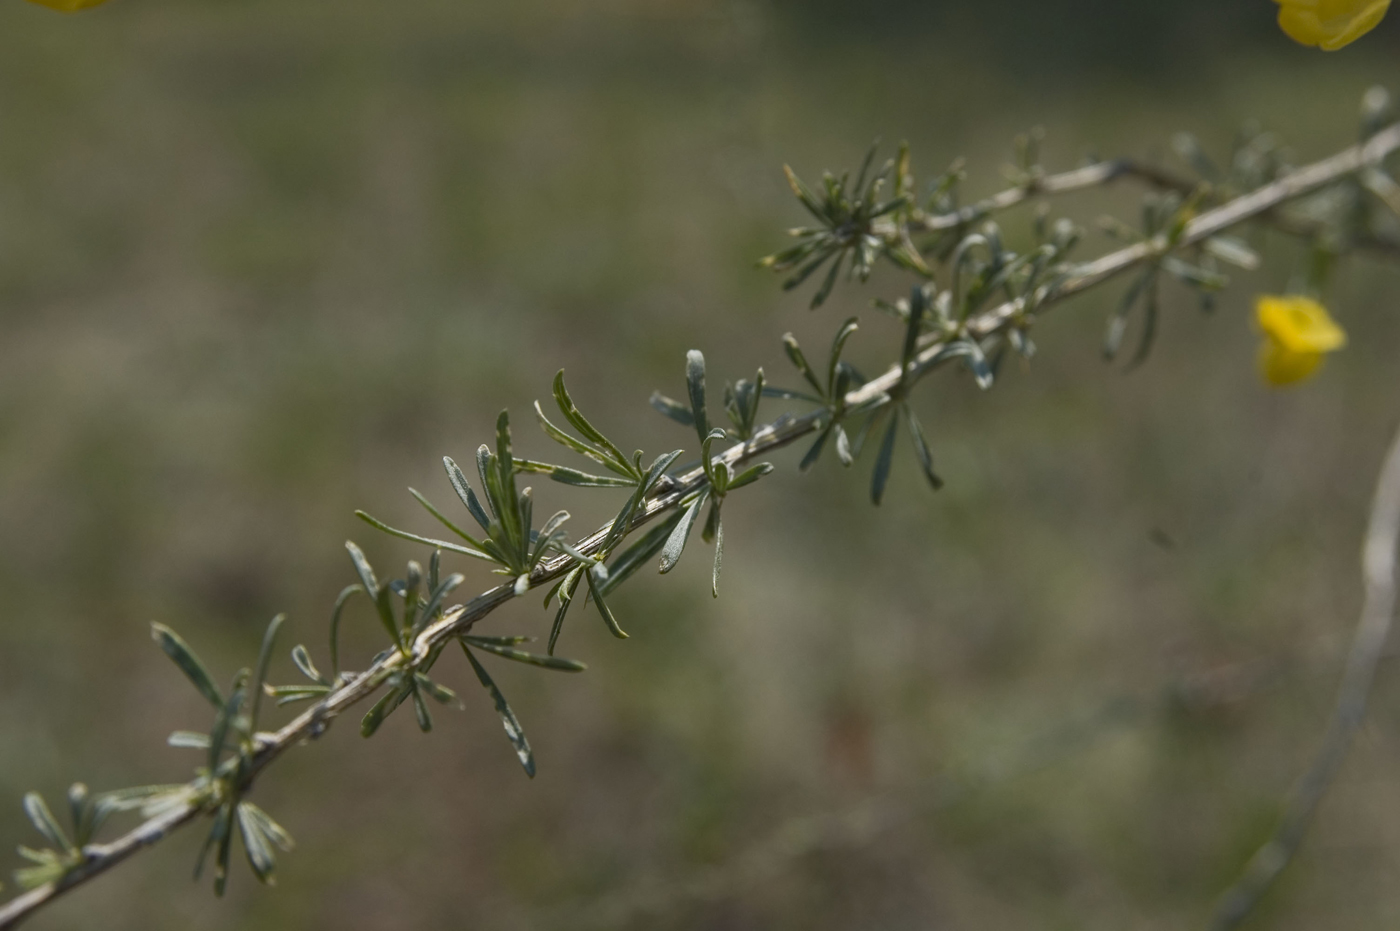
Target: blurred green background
[(262, 263)]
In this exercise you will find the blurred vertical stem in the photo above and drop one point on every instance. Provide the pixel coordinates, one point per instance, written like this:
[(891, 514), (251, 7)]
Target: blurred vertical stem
[(1368, 645)]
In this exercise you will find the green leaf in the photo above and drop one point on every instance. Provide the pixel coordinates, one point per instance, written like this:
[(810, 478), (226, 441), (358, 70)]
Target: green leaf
[(260, 671), (86, 818), (260, 834), (672, 409), (50, 868), (794, 353), (378, 524), (464, 491), (1235, 251), (814, 451), (420, 711), (380, 596), (287, 694), (581, 424), (566, 476), (751, 475), (189, 663), (224, 720), (976, 361), (301, 658), (256, 846), (716, 472), (843, 446), (695, 387), (520, 656), (221, 857), (436, 691), (622, 524), (436, 599), (837, 346), (210, 840), (1118, 323), (344, 596), (442, 519), (808, 199), (640, 552), (828, 283), (381, 710), (567, 587), (1149, 325), (921, 449), (514, 731), (188, 740), (603, 608), (719, 550), (788, 395), (881, 475), (675, 543), (363, 569), (44, 822)]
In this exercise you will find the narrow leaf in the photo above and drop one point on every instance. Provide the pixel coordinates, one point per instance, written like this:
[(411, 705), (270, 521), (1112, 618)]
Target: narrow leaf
[(719, 553), (264, 660), (44, 822), (381, 710), (302, 660), (255, 845), (378, 524), (673, 409), (695, 386), (442, 519), (675, 543), (340, 600), (188, 740), (464, 491), (603, 608), (189, 663), (572, 414), (921, 450), (420, 711), (881, 475), (271, 830), (566, 595), (640, 552), (514, 731), (520, 656)]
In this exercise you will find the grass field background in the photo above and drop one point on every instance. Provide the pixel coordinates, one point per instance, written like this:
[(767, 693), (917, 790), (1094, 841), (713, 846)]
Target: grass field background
[(264, 263)]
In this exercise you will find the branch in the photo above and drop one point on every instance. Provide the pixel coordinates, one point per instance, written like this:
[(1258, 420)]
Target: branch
[(1367, 650), (787, 429)]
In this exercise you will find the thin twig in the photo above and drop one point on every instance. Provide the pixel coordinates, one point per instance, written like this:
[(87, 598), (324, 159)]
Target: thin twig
[(311, 723), (1367, 649)]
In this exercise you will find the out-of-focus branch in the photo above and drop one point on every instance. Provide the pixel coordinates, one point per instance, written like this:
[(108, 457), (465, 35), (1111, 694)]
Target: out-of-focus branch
[(673, 490), (1367, 649), (1101, 174)]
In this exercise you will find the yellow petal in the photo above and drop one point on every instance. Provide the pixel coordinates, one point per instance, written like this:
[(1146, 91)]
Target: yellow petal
[(1299, 324), (1280, 366), (1330, 24), (68, 6)]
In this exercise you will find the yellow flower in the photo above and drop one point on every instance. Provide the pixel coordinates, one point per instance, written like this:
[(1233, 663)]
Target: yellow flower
[(68, 6), (1298, 331), (1329, 24)]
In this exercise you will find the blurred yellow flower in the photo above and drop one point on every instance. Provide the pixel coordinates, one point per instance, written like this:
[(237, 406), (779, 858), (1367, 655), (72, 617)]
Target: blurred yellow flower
[(1298, 331), (68, 6), (1329, 24)]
